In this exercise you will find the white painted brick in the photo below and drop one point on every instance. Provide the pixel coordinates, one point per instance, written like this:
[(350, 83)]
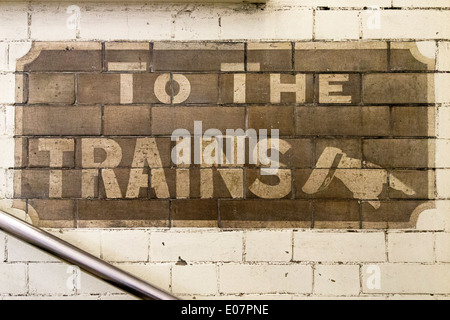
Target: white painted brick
[(88, 284), (293, 23), (16, 51), (337, 25), (194, 279), (125, 245), (113, 22), (55, 297), (342, 3), (410, 247), (345, 247), (197, 25), (7, 145), (137, 23), (119, 297), (196, 246), (335, 280), (6, 184), (149, 23), (2, 120), (407, 24), (50, 278), (410, 278), (54, 28), (421, 3), (398, 297), (13, 278), (239, 297), (268, 245), (3, 56), (89, 241), (13, 21), (443, 56), (236, 279), (23, 252), (155, 274), (320, 298), (443, 247), (2, 246), (7, 83)]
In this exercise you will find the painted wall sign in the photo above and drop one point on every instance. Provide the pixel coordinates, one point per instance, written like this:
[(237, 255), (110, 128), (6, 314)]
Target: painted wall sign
[(230, 135)]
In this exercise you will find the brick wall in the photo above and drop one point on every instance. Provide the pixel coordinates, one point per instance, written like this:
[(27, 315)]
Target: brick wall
[(233, 263)]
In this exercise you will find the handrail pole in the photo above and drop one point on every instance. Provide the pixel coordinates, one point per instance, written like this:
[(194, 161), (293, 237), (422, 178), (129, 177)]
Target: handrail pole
[(73, 255)]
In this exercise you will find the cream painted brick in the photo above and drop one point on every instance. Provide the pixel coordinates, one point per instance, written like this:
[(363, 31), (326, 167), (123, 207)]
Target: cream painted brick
[(442, 214), (337, 25), (196, 246), (442, 83), (125, 245), (49, 22), (13, 278), (345, 247), (410, 247), (2, 120), (442, 183), (410, 278), (3, 56), (155, 274), (268, 245), (421, 3), (442, 153), (13, 21), (407, 24), (91, 285), (293, 23), (194, 279), (19, 251), (50, 278), (335, 280), (236, 279), (443, 56), (442, 247), (7, 83), (89, 241), (2, 246), (443, 117)]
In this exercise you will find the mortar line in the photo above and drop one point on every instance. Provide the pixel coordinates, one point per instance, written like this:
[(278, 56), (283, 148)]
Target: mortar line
[(152, 57)]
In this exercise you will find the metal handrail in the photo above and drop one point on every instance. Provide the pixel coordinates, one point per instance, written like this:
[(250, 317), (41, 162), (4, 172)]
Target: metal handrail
[(87, 262)]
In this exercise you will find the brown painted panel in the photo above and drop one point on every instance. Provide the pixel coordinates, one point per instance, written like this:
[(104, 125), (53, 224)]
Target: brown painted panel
[(139, 134)]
